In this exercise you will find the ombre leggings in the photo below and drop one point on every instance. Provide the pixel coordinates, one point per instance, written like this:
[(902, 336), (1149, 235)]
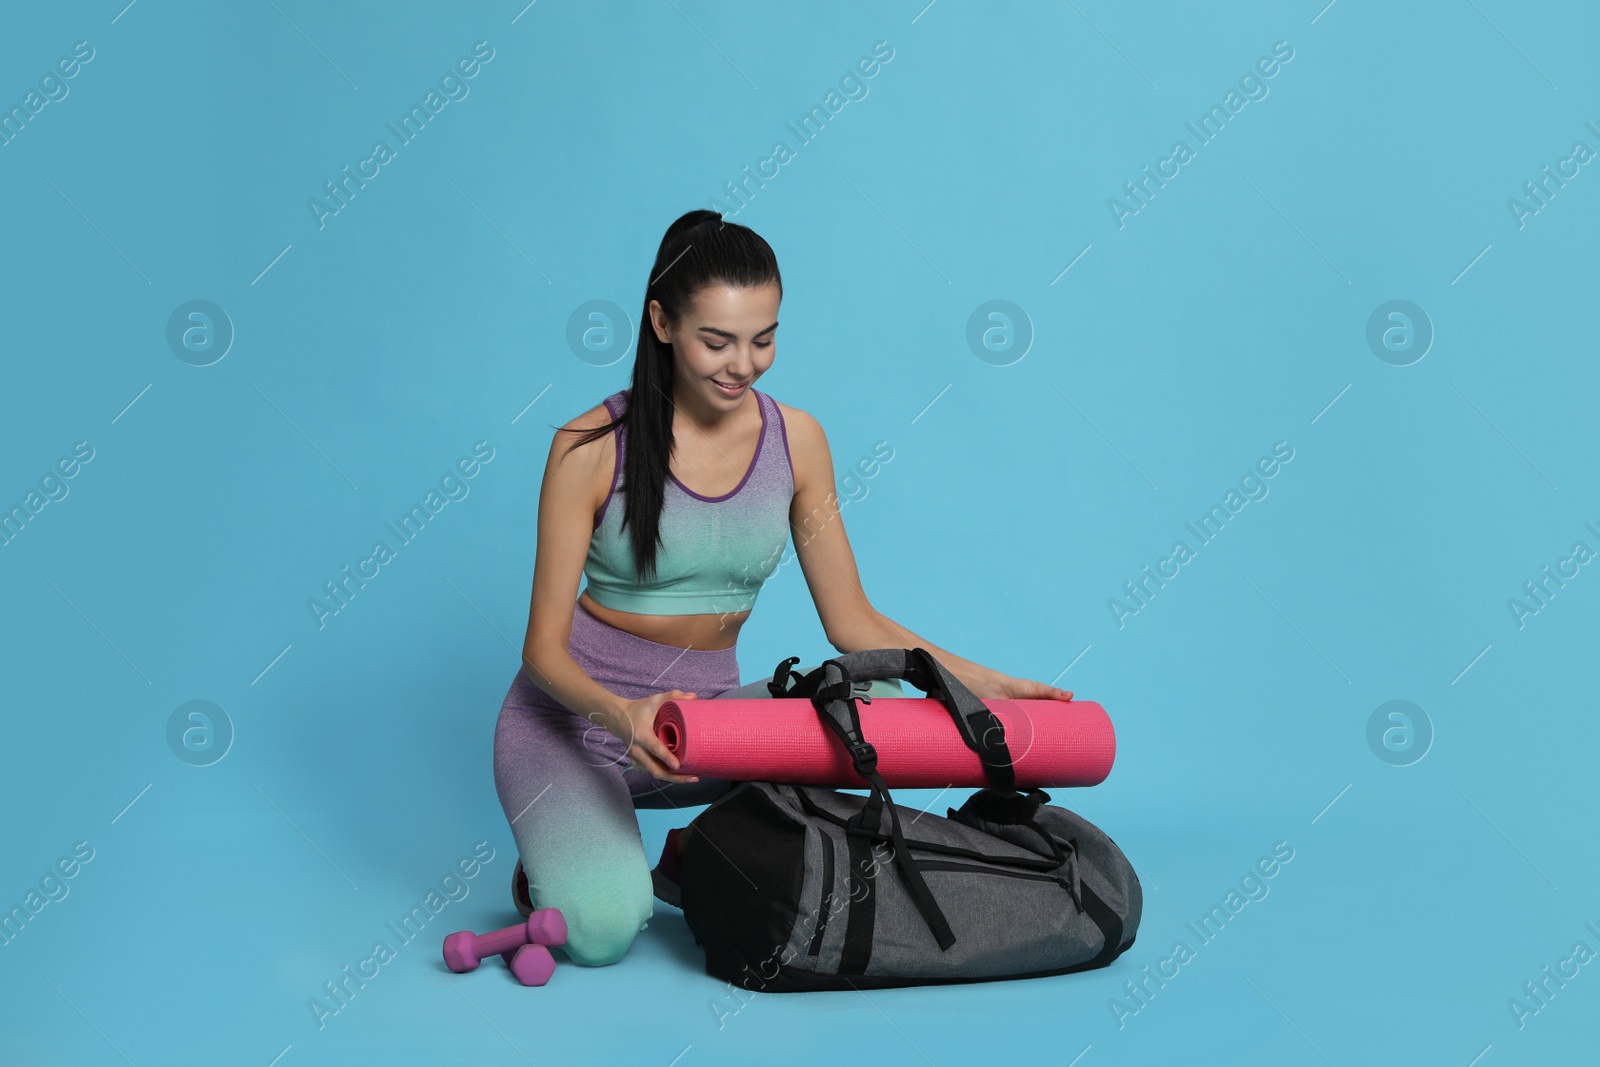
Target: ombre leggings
[(569, 791)]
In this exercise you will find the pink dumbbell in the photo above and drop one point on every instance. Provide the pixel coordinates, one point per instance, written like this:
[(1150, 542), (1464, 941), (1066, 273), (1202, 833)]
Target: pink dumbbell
[(532, 964), (463, 951)]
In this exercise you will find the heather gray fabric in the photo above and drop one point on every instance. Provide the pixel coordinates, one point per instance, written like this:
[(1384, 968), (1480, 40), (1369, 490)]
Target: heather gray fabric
[(1004, 925)]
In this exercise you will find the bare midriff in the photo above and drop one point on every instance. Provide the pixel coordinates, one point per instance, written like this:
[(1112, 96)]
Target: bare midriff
[(708, 633)]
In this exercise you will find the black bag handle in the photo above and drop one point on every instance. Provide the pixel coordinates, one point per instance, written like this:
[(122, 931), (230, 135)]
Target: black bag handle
[(980, 730)]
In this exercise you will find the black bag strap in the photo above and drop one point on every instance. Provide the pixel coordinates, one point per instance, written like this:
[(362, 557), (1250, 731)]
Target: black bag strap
[(803, 686), (832, 691), (980, 730), (979, 727), (840, 715), (1019, 809)]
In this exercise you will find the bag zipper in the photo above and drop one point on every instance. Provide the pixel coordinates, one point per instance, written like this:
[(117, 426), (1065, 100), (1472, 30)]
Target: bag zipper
[(947, 865), (827, 888), (815, 809)]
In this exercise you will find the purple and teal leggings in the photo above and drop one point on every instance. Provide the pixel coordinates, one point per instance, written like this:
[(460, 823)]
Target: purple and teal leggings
[(569, 791)]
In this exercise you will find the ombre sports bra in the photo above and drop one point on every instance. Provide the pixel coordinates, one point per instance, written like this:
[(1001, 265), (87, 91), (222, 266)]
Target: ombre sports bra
[(716, 552)]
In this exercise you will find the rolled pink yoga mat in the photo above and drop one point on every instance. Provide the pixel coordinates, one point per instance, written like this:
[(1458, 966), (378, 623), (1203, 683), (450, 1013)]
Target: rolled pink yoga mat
[(1052, 742)]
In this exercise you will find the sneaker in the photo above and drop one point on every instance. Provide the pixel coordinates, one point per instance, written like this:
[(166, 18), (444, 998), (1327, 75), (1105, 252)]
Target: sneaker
[(664, 876), (519, 891)]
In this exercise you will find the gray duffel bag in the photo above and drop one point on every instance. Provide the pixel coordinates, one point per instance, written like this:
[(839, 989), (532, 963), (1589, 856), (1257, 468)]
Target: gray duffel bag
[(793, 887)]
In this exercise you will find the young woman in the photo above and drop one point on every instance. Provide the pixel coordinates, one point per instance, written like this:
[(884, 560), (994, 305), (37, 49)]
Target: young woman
[(675, 499)]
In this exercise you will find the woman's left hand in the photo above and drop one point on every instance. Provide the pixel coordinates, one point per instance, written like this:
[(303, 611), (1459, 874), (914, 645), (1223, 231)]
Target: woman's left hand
[(1005, 687)]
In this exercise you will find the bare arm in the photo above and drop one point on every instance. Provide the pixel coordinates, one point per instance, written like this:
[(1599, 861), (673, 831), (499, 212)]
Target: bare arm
[(568, 499), (880, 631), (574, 486), (850, 621)]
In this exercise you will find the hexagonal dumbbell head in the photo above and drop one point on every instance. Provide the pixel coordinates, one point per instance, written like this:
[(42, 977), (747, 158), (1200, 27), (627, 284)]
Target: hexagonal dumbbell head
[(533, 964)]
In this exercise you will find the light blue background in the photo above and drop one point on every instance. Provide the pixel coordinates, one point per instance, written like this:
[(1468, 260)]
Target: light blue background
[(1228, 314)]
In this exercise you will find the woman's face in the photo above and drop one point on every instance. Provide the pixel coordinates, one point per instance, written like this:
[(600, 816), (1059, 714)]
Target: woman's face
[(728, 336)]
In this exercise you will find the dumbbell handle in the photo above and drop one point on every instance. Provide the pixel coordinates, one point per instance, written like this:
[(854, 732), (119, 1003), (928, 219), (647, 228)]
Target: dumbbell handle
[(509, 939)]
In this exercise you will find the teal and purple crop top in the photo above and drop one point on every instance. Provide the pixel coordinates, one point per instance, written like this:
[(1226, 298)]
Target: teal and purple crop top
[(716, 552)]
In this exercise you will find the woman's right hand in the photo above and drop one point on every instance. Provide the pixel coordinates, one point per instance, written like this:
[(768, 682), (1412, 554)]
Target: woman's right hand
[(636, 727)]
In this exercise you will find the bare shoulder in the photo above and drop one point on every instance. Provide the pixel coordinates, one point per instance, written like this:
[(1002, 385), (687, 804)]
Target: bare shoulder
[(800, 426), (565, 442), (808, 446), (598, 415), (579, 468)]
